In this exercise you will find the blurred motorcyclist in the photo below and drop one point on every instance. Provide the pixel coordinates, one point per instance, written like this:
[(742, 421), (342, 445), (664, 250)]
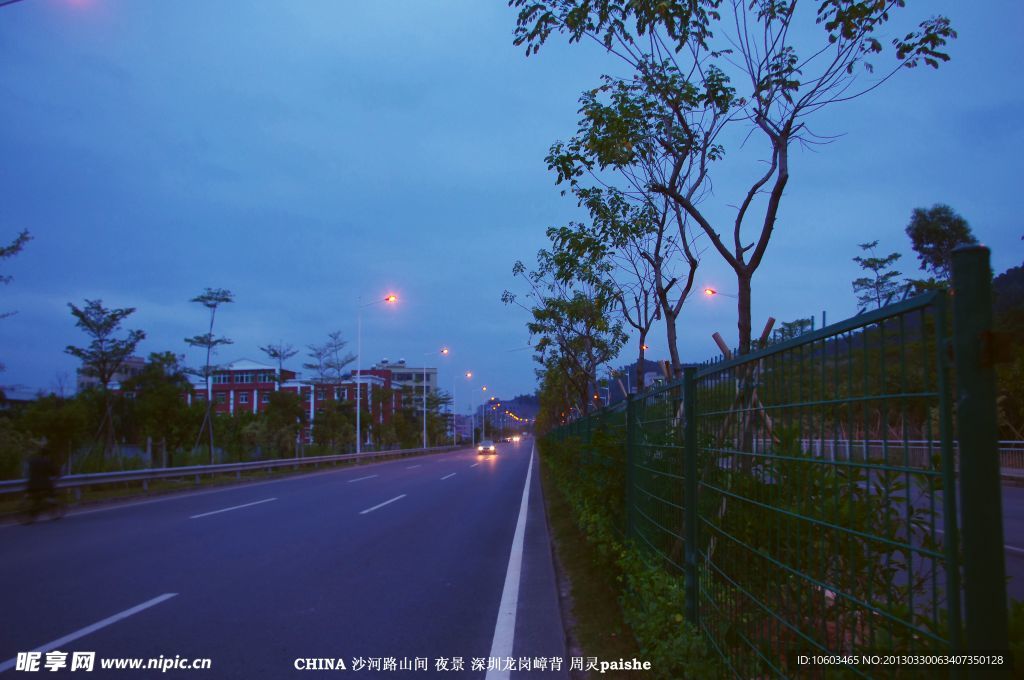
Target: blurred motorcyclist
[(41, 474)]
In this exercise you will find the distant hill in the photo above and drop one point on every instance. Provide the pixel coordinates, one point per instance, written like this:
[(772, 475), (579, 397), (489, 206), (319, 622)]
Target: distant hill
[(1008, 300)]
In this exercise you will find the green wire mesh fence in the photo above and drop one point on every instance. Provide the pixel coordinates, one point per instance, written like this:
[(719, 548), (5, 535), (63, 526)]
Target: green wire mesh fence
[(805, 494)]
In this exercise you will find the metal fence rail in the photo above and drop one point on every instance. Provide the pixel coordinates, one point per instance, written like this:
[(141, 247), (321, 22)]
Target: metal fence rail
[(806, 494), (804, 553), (77, 482)]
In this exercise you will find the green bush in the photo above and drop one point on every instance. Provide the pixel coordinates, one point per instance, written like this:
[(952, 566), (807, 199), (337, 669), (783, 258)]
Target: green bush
[(13, 448), (651, 599)]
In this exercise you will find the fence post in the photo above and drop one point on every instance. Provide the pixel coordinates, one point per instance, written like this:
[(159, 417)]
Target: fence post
[(690, 491), (630, 435), (985, 601)]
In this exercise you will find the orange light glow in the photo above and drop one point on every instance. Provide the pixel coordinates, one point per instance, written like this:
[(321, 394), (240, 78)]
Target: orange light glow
[(710, 291), (390, 298), (444, 350)]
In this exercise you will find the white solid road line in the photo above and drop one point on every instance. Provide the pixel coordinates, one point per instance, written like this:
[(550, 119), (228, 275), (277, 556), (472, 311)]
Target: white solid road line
[(505, 626), (359, 479), (414, 466), (447, 476), (381, 505), (474, 465), (59, 642), (233, 507)]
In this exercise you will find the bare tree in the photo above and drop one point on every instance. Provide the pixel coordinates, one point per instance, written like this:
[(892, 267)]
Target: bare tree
[(337, 359), (279, 353), (10, 250), (321, 356), (211, 298)]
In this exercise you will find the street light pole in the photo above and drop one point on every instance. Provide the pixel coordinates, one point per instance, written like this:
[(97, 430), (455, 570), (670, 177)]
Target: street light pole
[(444, 351), (455, 411), (388, 299), (472, 415), (359, 371), (483, 415)]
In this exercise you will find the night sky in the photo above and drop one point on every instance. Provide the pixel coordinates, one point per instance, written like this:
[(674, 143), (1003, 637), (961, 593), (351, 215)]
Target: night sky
[(303, 154)]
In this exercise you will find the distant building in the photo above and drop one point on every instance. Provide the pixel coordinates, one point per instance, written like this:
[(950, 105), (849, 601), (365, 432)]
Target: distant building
[(246, 385), (403, 375), (16, 397), (129, 368)]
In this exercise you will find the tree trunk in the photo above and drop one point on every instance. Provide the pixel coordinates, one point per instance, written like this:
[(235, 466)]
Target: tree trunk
[(640, 365), (743, 308), (209, 426), (673, 348)]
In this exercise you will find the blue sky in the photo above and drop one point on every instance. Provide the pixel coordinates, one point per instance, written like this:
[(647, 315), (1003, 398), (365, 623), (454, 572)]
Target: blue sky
[(302, 154)]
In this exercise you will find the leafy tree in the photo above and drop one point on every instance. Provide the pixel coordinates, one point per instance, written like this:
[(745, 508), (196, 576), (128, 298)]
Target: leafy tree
[(1008, 317), (651, 262), (283, 419), (792, 329), (105, 353), (14, 445), (881, 285), (63, 422), (211, 298), (703, 74), (645, 237), (934, 233), (10, 250), (279, 353), (242, 434), (437, 421), (571, 319), (335, 426), (159, 408), (403, 428)]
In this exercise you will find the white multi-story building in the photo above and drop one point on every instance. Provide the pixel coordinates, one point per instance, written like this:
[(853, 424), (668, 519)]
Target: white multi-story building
[(403, 375), (129, 368)]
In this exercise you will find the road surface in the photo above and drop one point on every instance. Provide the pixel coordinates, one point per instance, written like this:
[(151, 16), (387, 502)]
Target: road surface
[(405, 559)]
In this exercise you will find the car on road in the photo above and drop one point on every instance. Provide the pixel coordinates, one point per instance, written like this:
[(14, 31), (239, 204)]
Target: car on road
[(487, 447)]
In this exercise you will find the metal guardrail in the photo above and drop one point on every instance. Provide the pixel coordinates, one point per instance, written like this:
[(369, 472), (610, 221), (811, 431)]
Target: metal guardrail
[(149, 474)]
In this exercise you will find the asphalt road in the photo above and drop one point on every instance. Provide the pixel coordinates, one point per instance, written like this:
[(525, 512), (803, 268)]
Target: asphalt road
[(403, 559), (1013, 536)]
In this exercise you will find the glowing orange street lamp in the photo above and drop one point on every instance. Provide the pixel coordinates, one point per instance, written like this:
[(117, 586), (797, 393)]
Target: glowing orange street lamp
[(389, 299), (483, 416), (710, 292), (443, 352)]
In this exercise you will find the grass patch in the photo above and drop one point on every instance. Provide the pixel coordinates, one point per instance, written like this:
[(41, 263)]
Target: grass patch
[(597, 622)]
